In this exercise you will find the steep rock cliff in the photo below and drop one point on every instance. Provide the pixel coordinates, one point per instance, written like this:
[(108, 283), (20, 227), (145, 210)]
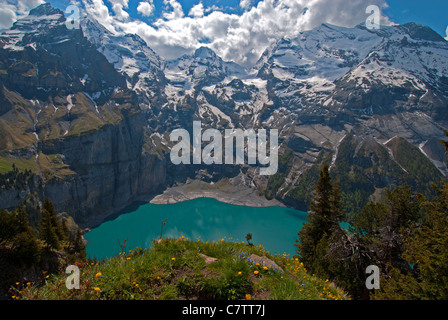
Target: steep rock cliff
[(68, 116)]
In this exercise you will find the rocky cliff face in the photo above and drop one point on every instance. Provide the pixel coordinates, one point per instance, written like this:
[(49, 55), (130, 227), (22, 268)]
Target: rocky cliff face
[(110, 170), (69, 116)]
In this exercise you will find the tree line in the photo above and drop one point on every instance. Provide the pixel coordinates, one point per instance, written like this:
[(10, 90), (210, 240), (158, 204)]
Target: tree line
[(16, 179), (405, 236)]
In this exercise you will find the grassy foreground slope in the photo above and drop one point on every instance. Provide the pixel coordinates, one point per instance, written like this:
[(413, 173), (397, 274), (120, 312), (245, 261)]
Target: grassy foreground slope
[(174, 269)]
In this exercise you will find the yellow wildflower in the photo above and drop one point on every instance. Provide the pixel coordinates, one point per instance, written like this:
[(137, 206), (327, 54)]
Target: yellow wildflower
[(98, 275), (96, 289), (256, 272), (248, 296)]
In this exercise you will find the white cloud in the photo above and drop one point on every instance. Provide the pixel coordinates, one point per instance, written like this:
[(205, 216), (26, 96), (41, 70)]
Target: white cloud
[(197, 11), (24, 6), (146, 8), (118, 7), (121, 3), (7, 17), (214, 7), (176, 13), (446, 33), (11, 10), (240, 38), (245, 4), (98, 10)]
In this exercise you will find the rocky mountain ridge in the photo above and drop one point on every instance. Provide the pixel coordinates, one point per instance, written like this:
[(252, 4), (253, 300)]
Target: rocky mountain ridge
[(91, 111)]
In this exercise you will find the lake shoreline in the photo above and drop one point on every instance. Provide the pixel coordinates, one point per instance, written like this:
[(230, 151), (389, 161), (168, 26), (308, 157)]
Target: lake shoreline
[(223, 191), (227, 191)]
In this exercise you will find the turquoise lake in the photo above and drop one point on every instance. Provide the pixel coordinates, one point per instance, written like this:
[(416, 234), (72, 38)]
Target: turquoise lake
[(275, 228)]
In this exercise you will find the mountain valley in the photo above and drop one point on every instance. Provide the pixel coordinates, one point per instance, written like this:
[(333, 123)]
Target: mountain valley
[(90, 113)]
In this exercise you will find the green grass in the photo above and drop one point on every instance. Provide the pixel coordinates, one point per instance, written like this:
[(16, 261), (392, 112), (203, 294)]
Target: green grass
[(21, 164), (175, 269), (52, 166)]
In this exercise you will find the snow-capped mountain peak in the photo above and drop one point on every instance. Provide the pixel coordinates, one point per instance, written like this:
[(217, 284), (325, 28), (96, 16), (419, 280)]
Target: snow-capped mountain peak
[(202, 68), (128, 53), (205, 53), (40, 19)]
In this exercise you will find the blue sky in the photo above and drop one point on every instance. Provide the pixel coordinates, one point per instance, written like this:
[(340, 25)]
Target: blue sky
[(433, 13), (238, 30)]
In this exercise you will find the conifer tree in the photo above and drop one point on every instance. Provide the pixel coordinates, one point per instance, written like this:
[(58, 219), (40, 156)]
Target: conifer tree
[(48, 230), (426, 252), (49, 207), (65, 230), (25, 247), (22, 222), (324, 215), (78, 245), (376, 237), (7, 223)]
